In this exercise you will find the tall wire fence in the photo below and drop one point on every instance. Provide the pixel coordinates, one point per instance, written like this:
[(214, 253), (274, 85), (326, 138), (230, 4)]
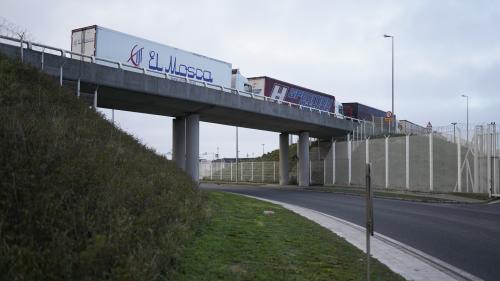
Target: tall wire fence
[(442, 159), (261, 172)]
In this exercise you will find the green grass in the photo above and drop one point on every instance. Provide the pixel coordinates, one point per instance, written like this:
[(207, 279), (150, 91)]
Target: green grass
[(79, 198), (241, 243)]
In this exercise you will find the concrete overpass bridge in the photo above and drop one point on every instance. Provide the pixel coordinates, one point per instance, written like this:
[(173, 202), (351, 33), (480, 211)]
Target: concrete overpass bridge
[(119, 86)]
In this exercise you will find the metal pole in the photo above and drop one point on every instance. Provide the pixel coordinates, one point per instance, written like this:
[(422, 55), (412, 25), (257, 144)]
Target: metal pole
[(386, 162), (369, 218), (407, 159), (236, 154), (454, 124), (61, 75), (319, 150), (459, 170), (392, 39), (495, 175), (349, 147), (78, 88), (392, 72), (333, 161), (274, 171), (22, 53), (467, 120), (252, 171), (324, 171), (310, 171), (262, 171), (467, 97), (431, 163), (95, 96)]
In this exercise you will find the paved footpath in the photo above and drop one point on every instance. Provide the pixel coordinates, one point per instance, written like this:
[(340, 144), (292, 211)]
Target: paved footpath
[(461, 241)]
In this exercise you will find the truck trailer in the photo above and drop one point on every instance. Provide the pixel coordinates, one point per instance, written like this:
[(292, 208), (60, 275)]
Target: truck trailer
[(113, 45), (362, 112), (283, 91)]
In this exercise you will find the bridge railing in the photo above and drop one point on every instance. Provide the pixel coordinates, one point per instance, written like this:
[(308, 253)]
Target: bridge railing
[(128, 67)]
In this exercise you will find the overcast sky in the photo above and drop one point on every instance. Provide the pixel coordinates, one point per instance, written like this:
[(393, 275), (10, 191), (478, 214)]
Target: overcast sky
[(442, 49)]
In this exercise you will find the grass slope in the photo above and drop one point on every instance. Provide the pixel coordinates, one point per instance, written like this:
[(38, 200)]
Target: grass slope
[(241, 243), (80, 199)]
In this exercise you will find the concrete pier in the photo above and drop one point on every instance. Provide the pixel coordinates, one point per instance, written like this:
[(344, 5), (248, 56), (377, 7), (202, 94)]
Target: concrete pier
[(303, 168), (284, 162), (193, 146), (179, 142)]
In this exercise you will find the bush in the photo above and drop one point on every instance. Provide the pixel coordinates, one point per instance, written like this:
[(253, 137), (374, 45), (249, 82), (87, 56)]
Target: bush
[(80, 199)]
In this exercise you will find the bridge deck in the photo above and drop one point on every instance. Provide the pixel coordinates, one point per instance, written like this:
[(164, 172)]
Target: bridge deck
[(138, 92)]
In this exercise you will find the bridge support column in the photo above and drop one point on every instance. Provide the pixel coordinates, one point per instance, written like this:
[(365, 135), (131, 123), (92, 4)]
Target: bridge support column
[(193, 146), (284, 163), (179, 142), (303, 168)]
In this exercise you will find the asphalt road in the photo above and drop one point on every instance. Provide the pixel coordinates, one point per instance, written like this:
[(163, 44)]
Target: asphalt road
[(466, 236)]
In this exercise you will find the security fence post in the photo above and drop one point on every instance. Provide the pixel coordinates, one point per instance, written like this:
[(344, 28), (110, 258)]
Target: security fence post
[(386, 162), (407, 158), (349, 147), (333, 161), (262, 171), (459, 164), (252, 172), (431, 163), (274, 171)]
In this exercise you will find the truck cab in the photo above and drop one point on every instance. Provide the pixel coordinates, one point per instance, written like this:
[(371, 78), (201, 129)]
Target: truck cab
[(240, 82), (339, 109)]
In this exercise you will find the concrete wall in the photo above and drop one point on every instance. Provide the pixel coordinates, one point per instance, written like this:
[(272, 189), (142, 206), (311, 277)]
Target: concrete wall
[(419, 163), (397, 162), (358, 170), (377, 158), (341, 164), (445, 165)]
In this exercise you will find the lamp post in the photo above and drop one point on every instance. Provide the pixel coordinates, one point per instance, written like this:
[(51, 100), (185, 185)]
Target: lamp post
[(467, 97), (392, 41), (237, 152), (263, 149), (454, 124)]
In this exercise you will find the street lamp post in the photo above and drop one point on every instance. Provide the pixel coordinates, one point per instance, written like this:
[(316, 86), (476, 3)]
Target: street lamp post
[(454, 124), (237, 152), (263, 149), (392, 41), (467, 97)]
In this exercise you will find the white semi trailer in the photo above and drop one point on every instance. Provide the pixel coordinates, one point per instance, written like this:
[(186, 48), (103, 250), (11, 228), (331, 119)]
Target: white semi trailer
[(117, 46)]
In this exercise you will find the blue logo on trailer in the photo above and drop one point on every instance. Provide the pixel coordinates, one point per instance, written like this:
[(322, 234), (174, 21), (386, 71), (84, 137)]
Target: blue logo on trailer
[(180, 69), (135, 55)]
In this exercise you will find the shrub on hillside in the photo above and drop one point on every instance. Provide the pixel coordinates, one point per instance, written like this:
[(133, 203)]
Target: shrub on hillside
[(80, 199)]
